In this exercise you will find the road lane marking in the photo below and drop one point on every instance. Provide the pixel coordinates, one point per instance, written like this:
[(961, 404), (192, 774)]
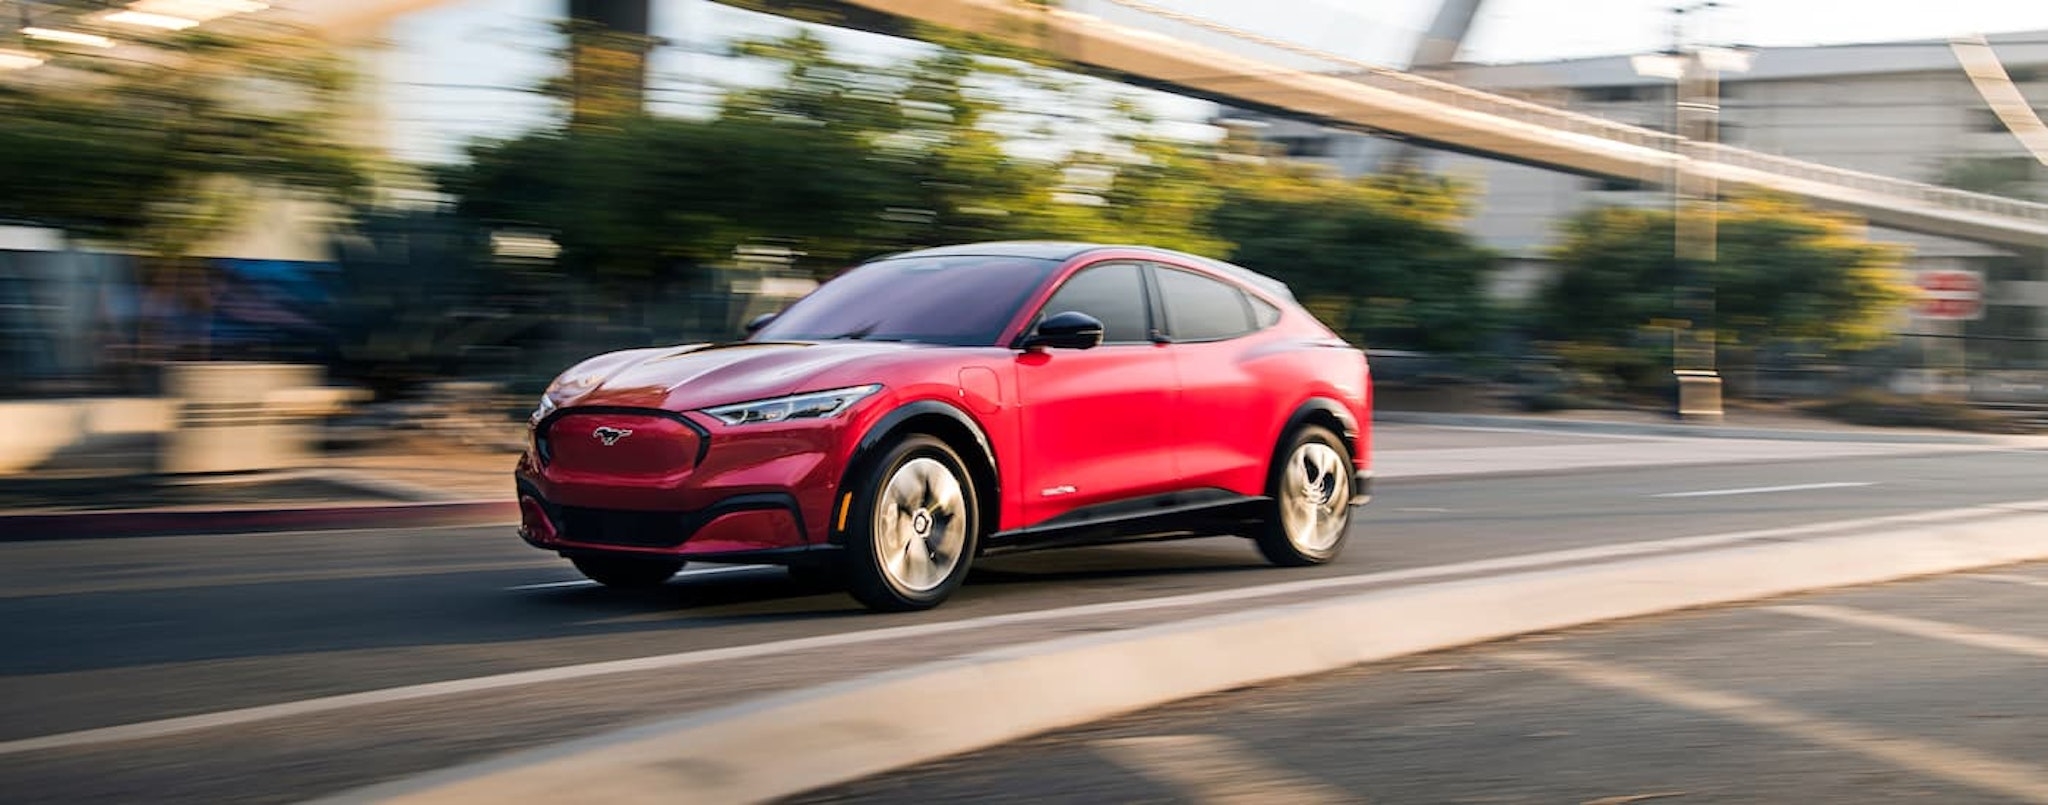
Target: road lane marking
[(192, 723), (1561, 432), (1927, 757), (1213, 770), (1919, 627), (1765, 490), (693, 572), (551, 585), (2008, 578)]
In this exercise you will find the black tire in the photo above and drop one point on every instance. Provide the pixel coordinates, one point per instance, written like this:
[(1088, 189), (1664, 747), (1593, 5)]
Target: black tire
[(1312, 469), (626, 572), (915, 525)]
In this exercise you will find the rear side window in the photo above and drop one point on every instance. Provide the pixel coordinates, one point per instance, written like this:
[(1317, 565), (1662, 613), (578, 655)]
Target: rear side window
[(1202, 309), (1114, 293), (1264, 314)]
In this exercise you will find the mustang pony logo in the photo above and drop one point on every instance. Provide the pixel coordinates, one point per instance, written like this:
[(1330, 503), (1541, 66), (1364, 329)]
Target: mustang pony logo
[(610, 435)]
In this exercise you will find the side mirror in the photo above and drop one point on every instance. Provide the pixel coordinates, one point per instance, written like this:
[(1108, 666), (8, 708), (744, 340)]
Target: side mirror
[(1067, 330), (756, 323)]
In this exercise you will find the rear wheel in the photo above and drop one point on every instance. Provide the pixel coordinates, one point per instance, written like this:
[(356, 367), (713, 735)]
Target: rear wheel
[(626, 572), (1311, 490), (914, 527)]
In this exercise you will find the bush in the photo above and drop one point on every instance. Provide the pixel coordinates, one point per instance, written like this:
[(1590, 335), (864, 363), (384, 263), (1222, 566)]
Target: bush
[(1888, 410)]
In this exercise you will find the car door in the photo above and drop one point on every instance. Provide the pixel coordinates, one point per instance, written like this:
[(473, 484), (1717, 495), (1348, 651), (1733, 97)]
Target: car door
[(1225, 412), (1096, 422)]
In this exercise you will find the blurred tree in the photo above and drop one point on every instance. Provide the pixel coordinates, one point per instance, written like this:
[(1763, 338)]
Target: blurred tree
[(844, 160), (108, 148), (406, 290), (1784, 273), (650, 198), (1381, 258), (2013, 177), (840, 159), (165, 153), (940, 171)]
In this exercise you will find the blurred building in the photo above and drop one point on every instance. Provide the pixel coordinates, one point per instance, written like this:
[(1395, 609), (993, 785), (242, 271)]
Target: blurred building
[(1901, 109)]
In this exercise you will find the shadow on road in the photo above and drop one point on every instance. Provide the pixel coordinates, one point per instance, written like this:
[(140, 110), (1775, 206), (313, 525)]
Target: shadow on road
[(66, 633)]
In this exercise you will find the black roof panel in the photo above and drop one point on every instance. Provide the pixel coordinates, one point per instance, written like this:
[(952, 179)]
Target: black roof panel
[(1066, 250)]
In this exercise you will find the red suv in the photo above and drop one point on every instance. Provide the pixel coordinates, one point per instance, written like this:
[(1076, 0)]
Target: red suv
[(930, 407)]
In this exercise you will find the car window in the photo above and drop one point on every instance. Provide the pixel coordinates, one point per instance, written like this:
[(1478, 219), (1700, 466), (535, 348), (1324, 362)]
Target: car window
[(1263, 312), (1202, 309), (1114, 293), (954, 300)]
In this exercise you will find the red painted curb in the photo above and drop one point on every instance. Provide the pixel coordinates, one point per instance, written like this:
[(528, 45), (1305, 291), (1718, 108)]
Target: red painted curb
[(170, 522)]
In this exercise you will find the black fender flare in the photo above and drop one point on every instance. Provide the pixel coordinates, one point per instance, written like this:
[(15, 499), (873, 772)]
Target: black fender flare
[(878, 434), (1321, 405)]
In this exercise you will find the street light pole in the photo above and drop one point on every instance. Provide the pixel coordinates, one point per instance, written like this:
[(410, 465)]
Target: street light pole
[(1694, 365), (1696, 101)]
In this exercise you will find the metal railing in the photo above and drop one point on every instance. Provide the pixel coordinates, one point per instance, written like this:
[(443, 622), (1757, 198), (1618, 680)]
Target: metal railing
[(1922, 192), (1550, 117)]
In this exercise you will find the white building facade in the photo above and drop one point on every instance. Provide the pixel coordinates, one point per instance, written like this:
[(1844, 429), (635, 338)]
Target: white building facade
[(1902, 109)]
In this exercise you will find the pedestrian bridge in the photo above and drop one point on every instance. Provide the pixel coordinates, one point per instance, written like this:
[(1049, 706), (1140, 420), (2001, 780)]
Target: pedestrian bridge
[(1438, 114)]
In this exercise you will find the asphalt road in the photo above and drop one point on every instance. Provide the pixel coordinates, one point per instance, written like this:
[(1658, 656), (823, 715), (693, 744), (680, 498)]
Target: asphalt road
[(1924, 691), (102, 633)]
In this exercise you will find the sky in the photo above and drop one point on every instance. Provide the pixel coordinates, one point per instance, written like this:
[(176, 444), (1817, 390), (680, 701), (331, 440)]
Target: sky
[(456, 72)]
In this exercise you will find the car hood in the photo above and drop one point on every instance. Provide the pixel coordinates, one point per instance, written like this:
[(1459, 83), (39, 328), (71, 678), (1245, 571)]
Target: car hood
[(700, 375)]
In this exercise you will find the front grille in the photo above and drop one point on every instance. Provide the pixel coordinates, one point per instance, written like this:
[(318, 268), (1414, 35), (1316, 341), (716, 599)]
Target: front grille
[(630, 446), (614, 527)]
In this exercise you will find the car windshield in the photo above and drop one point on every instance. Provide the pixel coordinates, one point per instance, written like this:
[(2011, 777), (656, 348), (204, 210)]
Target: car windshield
[(952, 300)]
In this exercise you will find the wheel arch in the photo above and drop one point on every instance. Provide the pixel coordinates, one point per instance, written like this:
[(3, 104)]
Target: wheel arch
[(942, 421), (1322, 411)]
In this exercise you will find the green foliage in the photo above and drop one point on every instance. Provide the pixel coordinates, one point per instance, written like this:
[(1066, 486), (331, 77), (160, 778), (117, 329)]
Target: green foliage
[(1381, 259), (79, 165), (2012, 177), (1783, 273), (630, 202), (842, 160), (845, 160), (160, 152), (1887, 410), (1788, 274)]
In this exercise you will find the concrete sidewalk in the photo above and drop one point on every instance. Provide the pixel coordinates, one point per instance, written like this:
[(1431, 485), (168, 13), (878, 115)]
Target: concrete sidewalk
[(1738, 424)]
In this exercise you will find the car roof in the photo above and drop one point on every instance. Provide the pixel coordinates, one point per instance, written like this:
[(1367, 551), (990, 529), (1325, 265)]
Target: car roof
[(1067, 250)]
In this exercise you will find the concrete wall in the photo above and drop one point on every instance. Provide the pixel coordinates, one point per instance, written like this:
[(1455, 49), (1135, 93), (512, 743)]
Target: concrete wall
[(34, 433)]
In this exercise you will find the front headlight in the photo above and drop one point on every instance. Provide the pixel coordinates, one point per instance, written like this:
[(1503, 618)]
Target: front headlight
[(547, 406), (809, 405)]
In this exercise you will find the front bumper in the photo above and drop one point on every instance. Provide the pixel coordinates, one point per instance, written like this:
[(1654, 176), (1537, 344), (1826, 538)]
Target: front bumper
[(672, 485), (751, 525)]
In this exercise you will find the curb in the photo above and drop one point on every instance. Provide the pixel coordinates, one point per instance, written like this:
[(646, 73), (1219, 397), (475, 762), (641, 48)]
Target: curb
[(1393, 478), (787, 744), (178, 522), (1702, 431)]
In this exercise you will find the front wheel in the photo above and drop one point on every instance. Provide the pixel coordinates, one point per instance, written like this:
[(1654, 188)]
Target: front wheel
[(915, 526), (625, 572), (1310, 487)]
